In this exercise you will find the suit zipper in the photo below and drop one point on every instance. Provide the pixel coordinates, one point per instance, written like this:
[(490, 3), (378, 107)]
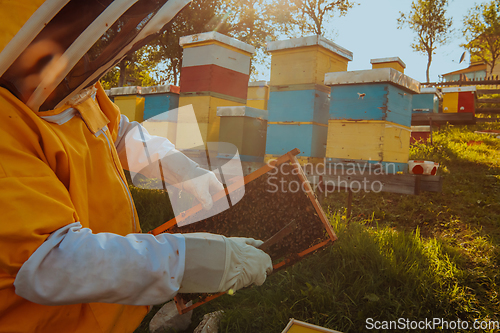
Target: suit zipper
[(124, 184)]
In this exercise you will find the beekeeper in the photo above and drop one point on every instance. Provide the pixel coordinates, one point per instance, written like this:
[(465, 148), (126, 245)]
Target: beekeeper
[(72, 258)]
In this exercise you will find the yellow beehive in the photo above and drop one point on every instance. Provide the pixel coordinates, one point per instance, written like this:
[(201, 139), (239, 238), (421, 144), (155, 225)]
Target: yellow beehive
[(306, 60), (130, 102), (163, 129), (258, 95), (205, 109), (368, 140), (450, 102), (392, 62)]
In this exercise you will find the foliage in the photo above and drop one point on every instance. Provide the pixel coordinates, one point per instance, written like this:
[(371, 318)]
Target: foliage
[(482, 32), (197, 17), (254, 22), (132, 71), (427, 19), (309, 16)]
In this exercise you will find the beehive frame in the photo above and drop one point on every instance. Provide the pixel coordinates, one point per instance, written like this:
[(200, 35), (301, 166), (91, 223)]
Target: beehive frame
[(312, 231)]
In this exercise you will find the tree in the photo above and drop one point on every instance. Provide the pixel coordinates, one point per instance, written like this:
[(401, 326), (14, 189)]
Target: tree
[(482, 32), (427, 19), (133, 70), (252, 21), (309, 16), (199, 16)]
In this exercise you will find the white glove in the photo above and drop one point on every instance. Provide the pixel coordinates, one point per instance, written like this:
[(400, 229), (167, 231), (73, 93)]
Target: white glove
[(178, 169), (215, 263)]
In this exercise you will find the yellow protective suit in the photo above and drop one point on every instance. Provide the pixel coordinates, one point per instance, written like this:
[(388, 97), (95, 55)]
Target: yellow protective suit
[(52, 175)]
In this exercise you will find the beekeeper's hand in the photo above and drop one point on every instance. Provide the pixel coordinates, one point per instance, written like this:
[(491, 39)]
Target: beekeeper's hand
[(202, 184), (215, 263), (181, 171)]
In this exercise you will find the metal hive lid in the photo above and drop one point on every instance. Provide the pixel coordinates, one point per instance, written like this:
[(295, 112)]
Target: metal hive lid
[(132, 90), (167, 88), (378, 75), (389, 59), (216, 36), (458, 89), (309, 41)]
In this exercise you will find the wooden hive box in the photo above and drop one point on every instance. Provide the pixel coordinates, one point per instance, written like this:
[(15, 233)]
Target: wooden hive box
[(427, 101), (205, 108), (262, 213), (246, 128), (130, 102), (305, 60), (258, 95), (213, 62), (459, 99), (391, 62), (420, 134), (368, 141), (383, 94), (308, 137), (299, 103), (159, 99)]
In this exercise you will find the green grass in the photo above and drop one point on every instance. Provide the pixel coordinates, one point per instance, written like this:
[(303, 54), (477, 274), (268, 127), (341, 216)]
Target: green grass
[(434, 255)]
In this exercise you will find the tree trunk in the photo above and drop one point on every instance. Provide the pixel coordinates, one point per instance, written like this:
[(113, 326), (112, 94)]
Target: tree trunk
[(429, 60), (121, 78)]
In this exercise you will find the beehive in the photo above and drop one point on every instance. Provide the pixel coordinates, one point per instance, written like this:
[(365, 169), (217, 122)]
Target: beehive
[(215, 72), (293, 202), (420, 134), (310, 138), (258, 95), (216, 63), (377, 94), (305, 60), (164, 125), (368, 141), (159, 99), (391, 62), (459, 99), (427, 101), (130, 102), (299, 103), (205, 108), (246, 128), (370, 117)]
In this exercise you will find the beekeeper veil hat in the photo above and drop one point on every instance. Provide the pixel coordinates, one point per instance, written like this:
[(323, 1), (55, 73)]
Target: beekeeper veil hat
[(50, 50)]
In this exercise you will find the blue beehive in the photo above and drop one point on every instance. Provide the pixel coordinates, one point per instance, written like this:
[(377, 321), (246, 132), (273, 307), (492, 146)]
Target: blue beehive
[(308, 105), (427, 100), (370, 118), (309, 138), (377, 94), (159, 99), (298, 118)]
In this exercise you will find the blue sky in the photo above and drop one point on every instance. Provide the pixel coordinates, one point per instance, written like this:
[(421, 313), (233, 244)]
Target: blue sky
[(369, 30)]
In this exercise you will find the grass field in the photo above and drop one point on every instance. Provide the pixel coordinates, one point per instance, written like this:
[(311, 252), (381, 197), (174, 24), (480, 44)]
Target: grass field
[(435, 255)]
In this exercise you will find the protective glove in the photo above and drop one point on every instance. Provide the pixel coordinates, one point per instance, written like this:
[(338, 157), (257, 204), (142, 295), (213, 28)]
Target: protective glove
[(183, 172), (215, 263)]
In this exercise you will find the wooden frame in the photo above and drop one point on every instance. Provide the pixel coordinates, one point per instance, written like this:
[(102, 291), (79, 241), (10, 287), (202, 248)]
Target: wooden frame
[(315, 215)]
